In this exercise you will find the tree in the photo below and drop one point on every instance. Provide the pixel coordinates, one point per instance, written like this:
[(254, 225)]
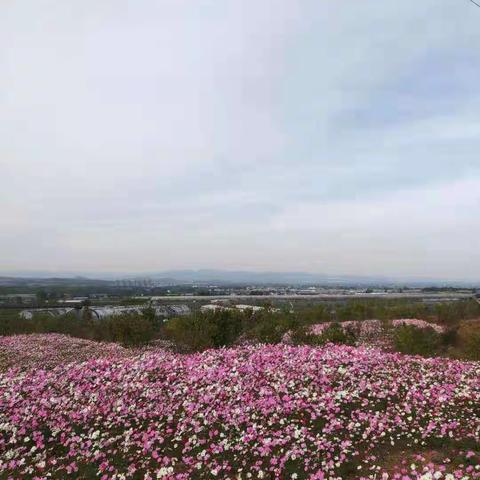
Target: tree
[(42, 297), (130, 329), (195, 332), (412, 340)]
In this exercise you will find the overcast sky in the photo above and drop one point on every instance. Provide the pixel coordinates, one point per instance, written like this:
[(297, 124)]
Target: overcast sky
[(334, 136)]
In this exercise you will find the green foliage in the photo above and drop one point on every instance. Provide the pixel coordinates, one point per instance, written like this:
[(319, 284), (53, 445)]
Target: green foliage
[(301, 336), (130, 329), (11, 323), (315, 314), (266, 330), (194, 332), (355, 311), (224, 328), (471, 349), (452, 312), (448, 313), (416, 341), (134, 301), (467, 344), (334, 333), (42, 296), (269, 326), (228, 326), (449, 337), (150, 314)]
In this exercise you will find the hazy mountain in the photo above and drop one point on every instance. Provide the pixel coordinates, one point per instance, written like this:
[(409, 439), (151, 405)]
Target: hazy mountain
[(228, 277), (292, 278), (248, 277)]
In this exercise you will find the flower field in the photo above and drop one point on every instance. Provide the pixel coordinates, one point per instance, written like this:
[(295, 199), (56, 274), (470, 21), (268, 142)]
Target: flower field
[(374, 328), (371, 333), (49, 350), (267, 412), (417, 323)]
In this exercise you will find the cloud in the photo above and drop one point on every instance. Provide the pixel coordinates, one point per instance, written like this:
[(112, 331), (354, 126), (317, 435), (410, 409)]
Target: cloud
[(168, 134)]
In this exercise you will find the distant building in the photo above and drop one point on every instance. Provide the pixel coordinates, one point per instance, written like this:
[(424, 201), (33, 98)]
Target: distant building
[(178, 309), (215, 307), (164, 311), (161, 311), (74, 302), (253, 308), (53, 312), (18, 299)]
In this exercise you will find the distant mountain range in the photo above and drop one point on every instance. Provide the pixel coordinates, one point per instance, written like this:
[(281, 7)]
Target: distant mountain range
[(297, 278), (249, 277), (230, 277), (48, 280)]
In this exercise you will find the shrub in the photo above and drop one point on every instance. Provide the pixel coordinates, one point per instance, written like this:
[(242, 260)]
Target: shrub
[(227, 326), (130, 329), (449, 337), (194, 332), (452, 312), (416, 341), (270, 327), (472, 346), (301, 336), (334, 333), (266, 331), (468, 340)]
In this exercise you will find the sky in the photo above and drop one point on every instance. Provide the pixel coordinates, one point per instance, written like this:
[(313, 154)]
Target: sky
[(337, 137)]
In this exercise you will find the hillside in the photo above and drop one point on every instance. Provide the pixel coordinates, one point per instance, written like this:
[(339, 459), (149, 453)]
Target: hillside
[(250, 412)]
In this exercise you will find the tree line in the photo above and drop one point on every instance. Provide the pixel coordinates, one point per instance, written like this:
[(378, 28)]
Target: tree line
[(202, 330)]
